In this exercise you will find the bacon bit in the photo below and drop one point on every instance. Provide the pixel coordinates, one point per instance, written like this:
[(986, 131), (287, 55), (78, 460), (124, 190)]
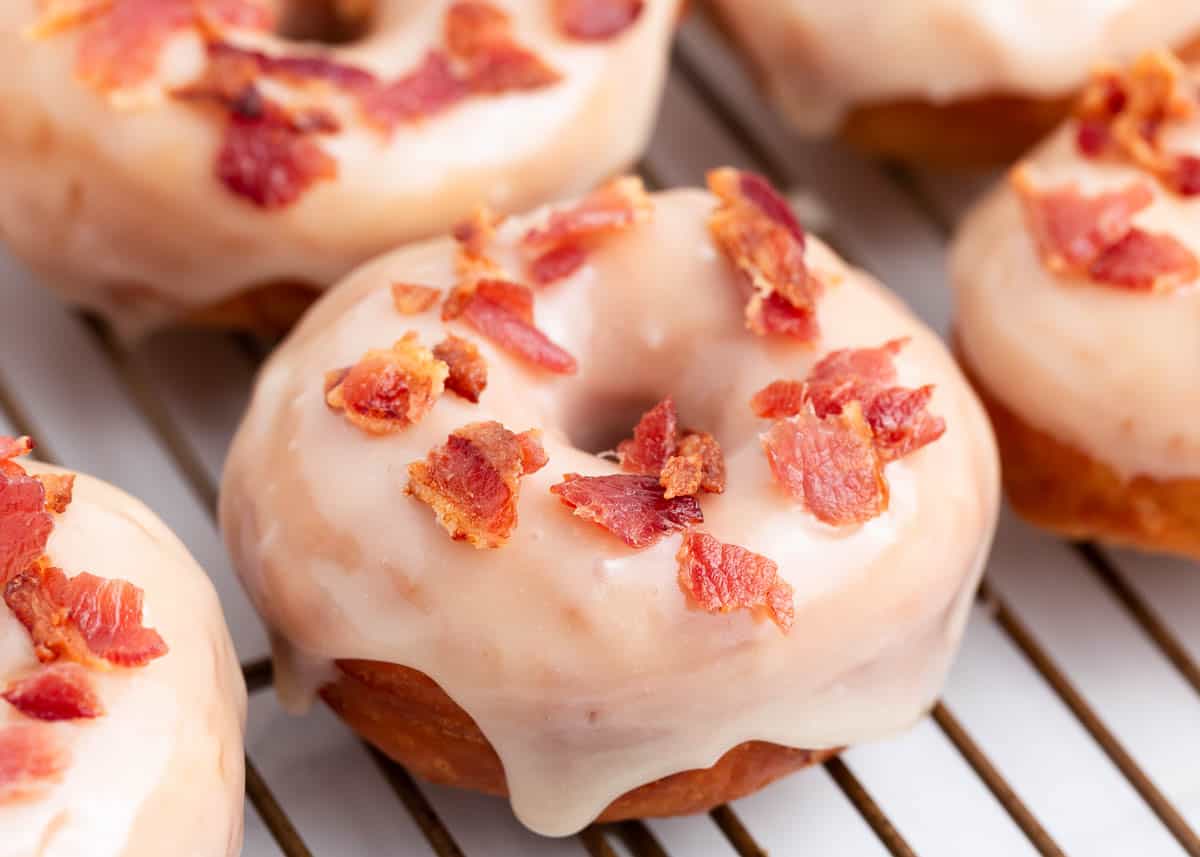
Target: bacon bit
[(122, 40), (32, 757), (414, 300), (1144, 261), (558, 248), (15, 447), (755, 229), (1123, 114), (472, 482), (697, 465), (58, 692), (830, 465), (480, 35), (778, 399), (25, 525), (722, 577), (1093, 237), (630, 506), (268, 156), (897, 416), (426, 91), (654, 441), (557, 264), (597, 20), (388, 389), (468, 370), (87, 619), (59, 488), (503, 312)]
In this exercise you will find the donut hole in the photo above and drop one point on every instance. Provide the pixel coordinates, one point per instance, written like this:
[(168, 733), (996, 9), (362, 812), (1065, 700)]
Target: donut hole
[(328, 22), (596, 425)]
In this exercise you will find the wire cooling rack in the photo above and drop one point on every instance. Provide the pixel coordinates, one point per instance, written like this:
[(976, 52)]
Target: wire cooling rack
[(1070, 723)]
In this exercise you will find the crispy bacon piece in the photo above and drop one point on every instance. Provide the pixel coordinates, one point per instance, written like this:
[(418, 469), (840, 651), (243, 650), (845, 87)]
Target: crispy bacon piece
[(388, 389), (25, 525), (474, 235), (468, 370), (1122, 115), (59, 488), (1144, 261), (87, 619), (472, 482), (697, 465), (597, 20), (722, 577), (630, 506), (32, 758), (427, 90), (503, 312), (654, 440), (1093, 237), (121, 40), (15, 447), (899, 421), (829, 465), (270, 157), (480, 35), (411, 299), (757, 232), (557, 264), (56, 692), (558, 248)]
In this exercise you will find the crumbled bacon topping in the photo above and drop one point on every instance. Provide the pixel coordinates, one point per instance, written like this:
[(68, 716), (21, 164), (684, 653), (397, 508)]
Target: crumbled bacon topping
[(480, 35), (388, 389), (429, 89), (1093, 237), (755, 229), (697, 465), (121, 40), (32, 758), (25, 525), (503, 312), (472, 481), (722, 577), (468, 370), (474, 235), (685, 463), (59, 488), (87, 619), (559, 248), (1122, 115), (653, 442), (899, 421), (597, 20), (55, 692), (830, 465), (411, 299), (630, 506)]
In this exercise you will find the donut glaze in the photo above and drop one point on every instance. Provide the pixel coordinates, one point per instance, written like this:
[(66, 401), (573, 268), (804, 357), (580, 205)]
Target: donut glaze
[(112, 196), (820, 59), (581, 659), (1107, 371), (161, 771)]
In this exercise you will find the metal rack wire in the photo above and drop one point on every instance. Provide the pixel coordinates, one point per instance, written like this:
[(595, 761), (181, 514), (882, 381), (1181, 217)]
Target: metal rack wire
[(1070, 724)]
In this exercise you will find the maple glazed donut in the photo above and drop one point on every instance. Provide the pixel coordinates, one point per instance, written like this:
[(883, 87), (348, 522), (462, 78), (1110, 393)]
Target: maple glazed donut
[(176, 159), (1079, 314), (944, 82), (774, 557), (120, 734)]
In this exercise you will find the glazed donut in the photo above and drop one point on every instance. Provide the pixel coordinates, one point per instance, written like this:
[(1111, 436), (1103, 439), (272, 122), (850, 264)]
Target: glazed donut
[(120, 734), (778, 553), (943, 82), (1079, 314), (171, 159)]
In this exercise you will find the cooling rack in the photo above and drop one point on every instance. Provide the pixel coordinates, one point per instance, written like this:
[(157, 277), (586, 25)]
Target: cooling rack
[(1070, 723)]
